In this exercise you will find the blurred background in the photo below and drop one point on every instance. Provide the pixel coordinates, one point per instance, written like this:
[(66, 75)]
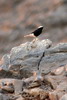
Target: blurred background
[(21, 17)]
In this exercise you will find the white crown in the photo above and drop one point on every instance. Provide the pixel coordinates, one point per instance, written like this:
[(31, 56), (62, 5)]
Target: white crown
[(40, 27)]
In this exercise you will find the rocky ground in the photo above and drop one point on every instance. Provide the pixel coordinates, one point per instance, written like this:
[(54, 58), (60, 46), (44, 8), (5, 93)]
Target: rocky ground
[(20, 17), (35, 70)]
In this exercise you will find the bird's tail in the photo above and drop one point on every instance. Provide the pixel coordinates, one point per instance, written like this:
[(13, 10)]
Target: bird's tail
[(30, 35)]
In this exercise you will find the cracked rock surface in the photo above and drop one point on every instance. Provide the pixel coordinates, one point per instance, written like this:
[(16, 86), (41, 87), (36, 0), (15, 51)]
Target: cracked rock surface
[(35, 70)]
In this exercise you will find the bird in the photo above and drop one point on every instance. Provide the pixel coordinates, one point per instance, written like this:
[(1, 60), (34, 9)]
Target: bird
[(36, 32)]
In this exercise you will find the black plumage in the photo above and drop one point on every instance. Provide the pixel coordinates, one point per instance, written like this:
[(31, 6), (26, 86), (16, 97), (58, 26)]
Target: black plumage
[(38, 31)]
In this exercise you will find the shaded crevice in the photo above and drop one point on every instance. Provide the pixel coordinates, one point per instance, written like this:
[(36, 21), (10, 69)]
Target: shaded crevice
[(40, 59), (43, 54)]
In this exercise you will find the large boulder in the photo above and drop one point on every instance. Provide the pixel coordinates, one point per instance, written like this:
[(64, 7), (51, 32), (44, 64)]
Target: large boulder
[(35, 66), (25, 58)]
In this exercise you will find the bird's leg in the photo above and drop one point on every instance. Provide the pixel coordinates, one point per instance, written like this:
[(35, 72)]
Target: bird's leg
[(35, 39)]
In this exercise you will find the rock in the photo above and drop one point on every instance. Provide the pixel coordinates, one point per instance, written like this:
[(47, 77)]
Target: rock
[(27, 56), (52, 96), (22, 64), (18, 85), (34, 84), (12, 85), (34, 94), (28, 48), (36, 70), (62, 86), (7, 89), (58, 71), (20, 98), (66, 67), (64, 97), (51, 81), (3, 97), (61, 47), (56, 54), (4, 73), (23, 60), (6, 62)]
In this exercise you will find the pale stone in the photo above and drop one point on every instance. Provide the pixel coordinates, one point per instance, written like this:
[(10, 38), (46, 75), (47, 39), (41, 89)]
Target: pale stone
[(64, 97)]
